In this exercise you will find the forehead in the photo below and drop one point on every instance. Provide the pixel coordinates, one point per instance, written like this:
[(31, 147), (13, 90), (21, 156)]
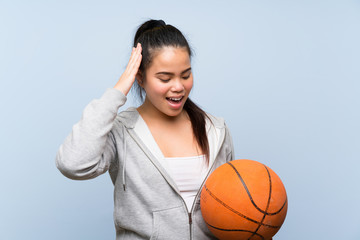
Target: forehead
[(170, 58)]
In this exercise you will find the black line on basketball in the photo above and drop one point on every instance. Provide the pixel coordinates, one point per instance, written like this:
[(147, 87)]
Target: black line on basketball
[(268, 202), (249, 194), (237, 212), (274, 213), (235, 230)]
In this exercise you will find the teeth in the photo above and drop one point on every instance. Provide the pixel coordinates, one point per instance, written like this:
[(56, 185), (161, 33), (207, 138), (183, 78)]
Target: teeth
[(175, 99)]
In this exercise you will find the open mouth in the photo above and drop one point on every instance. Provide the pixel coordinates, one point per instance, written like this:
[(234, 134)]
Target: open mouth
[(175, 100)]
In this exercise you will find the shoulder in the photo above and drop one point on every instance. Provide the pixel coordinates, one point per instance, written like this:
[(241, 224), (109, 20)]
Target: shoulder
[(128, 117), (213, 122), (217, 122), (217, 126)]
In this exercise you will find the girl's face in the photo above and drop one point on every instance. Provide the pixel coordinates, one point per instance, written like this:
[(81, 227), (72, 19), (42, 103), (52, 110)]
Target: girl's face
[(168, 81)]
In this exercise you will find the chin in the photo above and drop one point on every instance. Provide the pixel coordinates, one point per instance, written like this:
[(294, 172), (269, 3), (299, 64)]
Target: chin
[(173, 113)]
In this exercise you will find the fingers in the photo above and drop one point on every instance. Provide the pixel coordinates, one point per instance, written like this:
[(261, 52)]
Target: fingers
[(137, 56), (127, 79), (135, 53), (138, 59), (135, 60)]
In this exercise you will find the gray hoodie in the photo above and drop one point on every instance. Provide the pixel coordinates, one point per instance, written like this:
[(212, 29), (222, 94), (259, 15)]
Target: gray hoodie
[(147, 201)]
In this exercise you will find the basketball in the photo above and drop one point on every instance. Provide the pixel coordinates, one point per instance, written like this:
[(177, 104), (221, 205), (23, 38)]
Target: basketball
[(243, 199)]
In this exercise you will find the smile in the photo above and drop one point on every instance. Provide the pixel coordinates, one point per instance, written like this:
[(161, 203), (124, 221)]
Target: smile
[(175, 103), (175, 99)]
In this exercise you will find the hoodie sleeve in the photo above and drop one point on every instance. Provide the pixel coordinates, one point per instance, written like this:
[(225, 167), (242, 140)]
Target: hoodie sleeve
[(90, 148)]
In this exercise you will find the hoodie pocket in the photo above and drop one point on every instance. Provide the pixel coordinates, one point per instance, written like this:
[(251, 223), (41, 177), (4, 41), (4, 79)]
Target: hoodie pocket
[(170, 224)]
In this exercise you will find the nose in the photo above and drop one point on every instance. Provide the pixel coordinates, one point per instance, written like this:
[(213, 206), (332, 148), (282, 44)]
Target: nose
[(177, 86)]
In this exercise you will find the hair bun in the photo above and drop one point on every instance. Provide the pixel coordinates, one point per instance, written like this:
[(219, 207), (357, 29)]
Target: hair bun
[(153, 24), (148, 25)]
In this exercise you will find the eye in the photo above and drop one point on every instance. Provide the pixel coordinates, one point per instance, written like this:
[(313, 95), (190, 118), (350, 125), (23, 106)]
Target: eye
[(186, 77), (164, 80)]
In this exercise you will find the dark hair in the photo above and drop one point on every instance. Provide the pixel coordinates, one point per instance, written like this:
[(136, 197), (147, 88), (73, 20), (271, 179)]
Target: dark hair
[(154, 35)]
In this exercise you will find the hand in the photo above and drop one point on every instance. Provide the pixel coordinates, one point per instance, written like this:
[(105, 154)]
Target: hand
[(127, 79)]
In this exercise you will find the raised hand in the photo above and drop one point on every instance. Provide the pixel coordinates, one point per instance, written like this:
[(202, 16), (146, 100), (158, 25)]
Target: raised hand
[(127, 79)]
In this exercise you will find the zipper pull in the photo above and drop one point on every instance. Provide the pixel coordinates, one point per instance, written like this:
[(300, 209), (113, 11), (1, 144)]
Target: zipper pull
[(190, 219)]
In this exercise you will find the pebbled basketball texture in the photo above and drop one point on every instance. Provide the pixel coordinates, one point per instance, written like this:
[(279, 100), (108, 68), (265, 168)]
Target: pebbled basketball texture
[(244, 199)]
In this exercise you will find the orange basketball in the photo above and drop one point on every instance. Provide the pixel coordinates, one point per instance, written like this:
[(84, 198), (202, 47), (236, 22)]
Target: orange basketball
[(243, 199)]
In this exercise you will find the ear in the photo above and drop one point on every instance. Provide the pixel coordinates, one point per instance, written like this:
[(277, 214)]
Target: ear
[(139, 78)]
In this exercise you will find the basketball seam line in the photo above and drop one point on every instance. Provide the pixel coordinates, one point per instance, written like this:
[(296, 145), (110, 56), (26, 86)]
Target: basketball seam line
[(267, 205), (251, 199), (235, 211), (233, 230)]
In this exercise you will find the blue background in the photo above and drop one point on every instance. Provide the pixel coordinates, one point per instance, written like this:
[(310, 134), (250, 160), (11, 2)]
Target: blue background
[(284, 74)]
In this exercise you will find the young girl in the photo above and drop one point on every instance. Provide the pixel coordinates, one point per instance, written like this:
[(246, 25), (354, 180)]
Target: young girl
[(159, 154)]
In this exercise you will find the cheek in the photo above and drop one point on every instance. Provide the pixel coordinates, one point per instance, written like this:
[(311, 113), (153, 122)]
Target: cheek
[(188, 85), (162, 89), (158, 89)]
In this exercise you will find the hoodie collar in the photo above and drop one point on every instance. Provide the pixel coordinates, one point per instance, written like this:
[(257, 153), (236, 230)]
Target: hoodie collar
[(128, 117)]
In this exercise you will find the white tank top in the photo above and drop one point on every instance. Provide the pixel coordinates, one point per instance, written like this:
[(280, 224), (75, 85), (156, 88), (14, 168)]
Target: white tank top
[(188, 173)]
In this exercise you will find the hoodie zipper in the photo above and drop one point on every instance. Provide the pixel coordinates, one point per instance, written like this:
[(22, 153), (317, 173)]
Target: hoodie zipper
[(190, 224), (197, 194), (202, 184), (196, 197)]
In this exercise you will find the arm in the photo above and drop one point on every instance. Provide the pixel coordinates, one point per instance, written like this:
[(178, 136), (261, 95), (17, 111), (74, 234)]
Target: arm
[(90, 148)]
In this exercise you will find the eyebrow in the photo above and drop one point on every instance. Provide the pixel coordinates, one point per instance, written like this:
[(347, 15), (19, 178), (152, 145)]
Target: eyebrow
[(169, 73)]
